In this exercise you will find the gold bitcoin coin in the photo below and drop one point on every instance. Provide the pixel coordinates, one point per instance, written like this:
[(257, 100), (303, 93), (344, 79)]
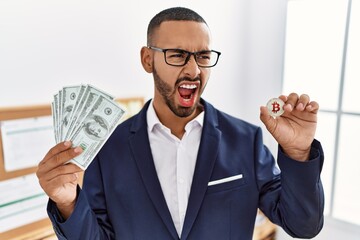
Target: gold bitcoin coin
[(275, 107)]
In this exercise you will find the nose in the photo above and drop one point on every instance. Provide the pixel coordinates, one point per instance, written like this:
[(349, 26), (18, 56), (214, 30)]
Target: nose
[(191, 68)]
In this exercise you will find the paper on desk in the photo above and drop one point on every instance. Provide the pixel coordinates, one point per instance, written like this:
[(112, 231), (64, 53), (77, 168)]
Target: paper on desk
[(22, 201), (25, 141)]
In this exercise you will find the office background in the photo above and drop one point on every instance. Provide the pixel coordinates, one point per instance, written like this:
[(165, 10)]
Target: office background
[(45, 45)]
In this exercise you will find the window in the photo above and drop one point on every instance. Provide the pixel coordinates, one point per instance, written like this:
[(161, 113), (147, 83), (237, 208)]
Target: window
[(322, 58)]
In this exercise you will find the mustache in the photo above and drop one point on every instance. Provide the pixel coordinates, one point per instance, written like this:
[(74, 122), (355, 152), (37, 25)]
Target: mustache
[(179, 80)]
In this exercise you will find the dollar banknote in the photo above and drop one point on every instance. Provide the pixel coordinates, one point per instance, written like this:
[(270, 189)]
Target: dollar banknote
[(93, 131), (67, 103), (86, 116), (55, 109), (90, 95)]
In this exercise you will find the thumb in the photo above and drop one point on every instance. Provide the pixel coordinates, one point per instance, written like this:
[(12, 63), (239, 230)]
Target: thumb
[(267, 119)]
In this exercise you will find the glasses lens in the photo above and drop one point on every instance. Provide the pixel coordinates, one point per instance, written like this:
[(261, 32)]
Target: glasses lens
[(207, 58), (176, 57)]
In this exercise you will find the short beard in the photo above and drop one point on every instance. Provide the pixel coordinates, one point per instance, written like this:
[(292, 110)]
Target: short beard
[(168, 93)]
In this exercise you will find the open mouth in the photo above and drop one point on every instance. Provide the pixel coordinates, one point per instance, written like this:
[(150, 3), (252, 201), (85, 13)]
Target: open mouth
[(187, 92)]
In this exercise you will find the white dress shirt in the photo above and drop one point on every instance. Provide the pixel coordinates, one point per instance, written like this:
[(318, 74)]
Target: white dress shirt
[(174, 161)]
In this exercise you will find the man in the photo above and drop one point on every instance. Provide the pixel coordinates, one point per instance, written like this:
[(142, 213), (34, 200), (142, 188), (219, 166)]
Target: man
[(181, 169)]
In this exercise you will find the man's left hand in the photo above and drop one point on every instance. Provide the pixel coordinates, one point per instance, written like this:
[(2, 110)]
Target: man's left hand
[(295, 129)]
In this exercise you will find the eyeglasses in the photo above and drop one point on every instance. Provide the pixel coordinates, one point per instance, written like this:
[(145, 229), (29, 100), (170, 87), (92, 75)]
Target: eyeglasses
[(180, 57)]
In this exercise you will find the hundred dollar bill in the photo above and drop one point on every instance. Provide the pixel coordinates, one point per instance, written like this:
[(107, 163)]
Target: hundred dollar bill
[(68, 100), (96, 128), (59, 114), (73, 111), (89, 97), (53, 112), (56, 116)]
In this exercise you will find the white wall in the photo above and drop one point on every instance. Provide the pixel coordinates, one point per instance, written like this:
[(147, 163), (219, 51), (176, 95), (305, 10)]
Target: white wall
[(45, 45)]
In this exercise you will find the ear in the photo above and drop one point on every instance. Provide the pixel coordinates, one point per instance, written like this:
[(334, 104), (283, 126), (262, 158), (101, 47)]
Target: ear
[(146, 59)]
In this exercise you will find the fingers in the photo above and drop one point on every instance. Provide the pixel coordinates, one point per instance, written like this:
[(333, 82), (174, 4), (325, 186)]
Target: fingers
[(264, 114), (52, 186), (299, 103), (59, 155), (66, 169), (302, 102), (53, 165), (56, 149), (291, 102), (267, 119), (57, 178), (312, 107)]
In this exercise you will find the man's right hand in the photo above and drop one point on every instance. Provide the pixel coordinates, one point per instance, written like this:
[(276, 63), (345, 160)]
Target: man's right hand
[(60, 180)]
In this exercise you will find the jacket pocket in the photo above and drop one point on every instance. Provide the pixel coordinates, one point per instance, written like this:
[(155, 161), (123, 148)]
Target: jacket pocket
[(226, 184)]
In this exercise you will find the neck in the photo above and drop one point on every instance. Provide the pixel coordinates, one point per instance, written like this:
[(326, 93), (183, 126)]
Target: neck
[(175, 123)]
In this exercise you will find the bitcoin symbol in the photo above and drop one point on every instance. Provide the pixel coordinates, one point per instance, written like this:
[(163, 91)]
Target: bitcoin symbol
[(275, 107)]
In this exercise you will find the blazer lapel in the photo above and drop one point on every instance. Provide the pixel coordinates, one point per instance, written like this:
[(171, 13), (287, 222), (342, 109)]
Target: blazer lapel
[(140, 147), (208, 152)]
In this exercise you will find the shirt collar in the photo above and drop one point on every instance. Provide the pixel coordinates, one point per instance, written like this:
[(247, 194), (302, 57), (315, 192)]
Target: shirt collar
[(153, 120)]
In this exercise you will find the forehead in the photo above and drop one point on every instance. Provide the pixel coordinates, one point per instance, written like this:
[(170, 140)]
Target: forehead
[(188, 35)]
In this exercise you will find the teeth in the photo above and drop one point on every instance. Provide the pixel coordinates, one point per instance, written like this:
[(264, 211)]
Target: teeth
[(188, 86)]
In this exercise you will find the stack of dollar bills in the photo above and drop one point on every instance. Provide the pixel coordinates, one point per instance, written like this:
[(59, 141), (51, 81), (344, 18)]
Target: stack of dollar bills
[(86, 116)]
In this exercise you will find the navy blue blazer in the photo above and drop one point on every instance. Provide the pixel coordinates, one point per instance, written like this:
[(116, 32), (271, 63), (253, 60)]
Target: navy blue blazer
[(122, 198)]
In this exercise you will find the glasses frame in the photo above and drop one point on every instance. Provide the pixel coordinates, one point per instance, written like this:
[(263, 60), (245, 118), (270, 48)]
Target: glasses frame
[(164, 50)]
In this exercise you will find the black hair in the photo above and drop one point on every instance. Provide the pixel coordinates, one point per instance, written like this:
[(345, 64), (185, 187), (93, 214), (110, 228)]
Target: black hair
[(172, 14)]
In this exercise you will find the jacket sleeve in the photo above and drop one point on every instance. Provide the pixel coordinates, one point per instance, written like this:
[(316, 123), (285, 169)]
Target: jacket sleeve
[(83, 222), (294, 197)]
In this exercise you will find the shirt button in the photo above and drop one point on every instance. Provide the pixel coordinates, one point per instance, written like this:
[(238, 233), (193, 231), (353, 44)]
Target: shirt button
[(181, 180)]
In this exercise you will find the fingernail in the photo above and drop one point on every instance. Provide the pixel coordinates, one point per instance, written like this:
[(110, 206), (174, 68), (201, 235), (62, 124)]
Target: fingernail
[(289, 106), (78, 150), (67, 143)]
